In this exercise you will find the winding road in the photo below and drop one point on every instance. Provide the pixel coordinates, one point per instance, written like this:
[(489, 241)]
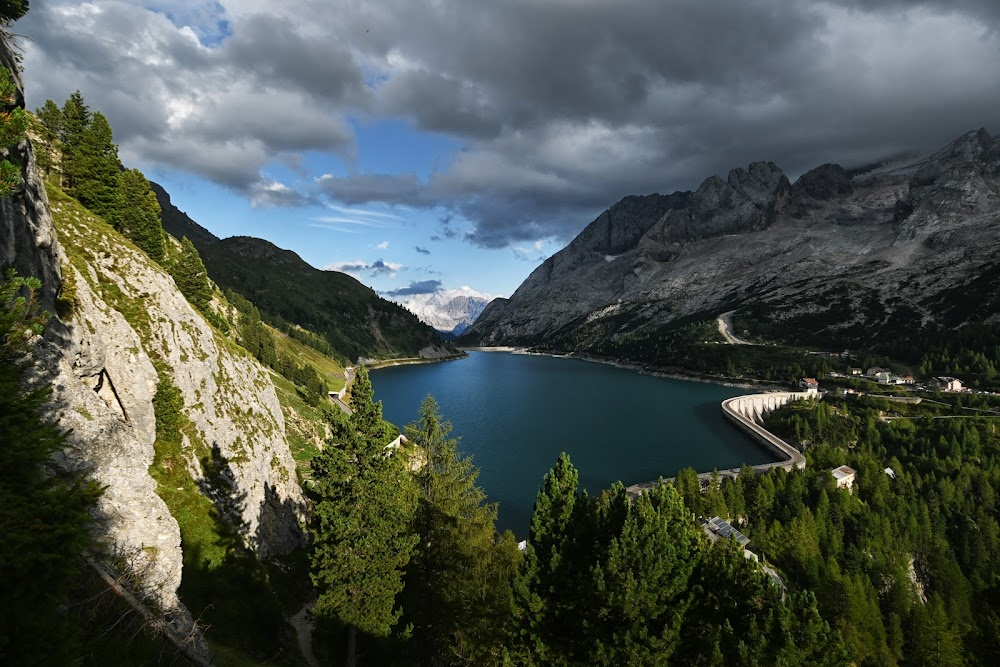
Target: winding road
[(725, 323)]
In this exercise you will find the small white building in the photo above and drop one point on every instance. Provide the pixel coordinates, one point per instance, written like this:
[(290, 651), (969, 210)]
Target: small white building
[(397, 442), (946, 383), (809, 385), (844, 476)]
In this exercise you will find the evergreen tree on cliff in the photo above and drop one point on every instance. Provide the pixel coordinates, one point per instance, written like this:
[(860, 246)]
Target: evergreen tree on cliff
[(44, 514), (12, 10), (458, 584), (363, 504), (75, 118), (48, 127), (13, 123), (190, 275), (95, 169), (138, 217)]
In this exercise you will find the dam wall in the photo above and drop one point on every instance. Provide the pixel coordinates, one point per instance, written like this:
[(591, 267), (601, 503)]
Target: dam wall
[(747, 413)]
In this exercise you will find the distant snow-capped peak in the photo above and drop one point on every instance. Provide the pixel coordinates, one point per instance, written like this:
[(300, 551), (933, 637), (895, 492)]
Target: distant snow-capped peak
[(447, 310)]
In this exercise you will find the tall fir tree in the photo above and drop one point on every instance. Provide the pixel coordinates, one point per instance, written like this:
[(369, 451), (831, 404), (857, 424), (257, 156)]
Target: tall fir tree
[(367, 416), (645, 552), (45, 514), (363, 503), (75, 120), (96, 169), (138, 216), (547, 580), (457, 586), (49, 127), (189, 273)]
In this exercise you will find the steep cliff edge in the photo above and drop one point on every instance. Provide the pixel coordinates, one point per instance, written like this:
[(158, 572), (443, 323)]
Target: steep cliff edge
[(829, 260), (122, 330)]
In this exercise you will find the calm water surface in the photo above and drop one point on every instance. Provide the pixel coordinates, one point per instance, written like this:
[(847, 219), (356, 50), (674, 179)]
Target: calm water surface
[(515, 413)]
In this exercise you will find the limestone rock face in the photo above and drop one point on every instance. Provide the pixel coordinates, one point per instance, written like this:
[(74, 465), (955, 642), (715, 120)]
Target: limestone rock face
[(75, 357), (130, 325), (831, 258), (228, 396)]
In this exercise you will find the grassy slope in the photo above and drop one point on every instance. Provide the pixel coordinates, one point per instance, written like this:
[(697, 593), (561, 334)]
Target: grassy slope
[(328, 368)]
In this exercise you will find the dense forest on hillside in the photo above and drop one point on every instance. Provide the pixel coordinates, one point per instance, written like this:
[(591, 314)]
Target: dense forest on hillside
[(904, 568)]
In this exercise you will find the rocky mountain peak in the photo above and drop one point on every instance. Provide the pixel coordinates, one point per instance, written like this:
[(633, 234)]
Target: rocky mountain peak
[(749, 200), (761, 183), (961, 178), (756, 241), (825, 182)]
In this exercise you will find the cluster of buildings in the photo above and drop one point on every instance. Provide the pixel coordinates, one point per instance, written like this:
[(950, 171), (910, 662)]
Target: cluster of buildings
[(945, 383), (883, 376)]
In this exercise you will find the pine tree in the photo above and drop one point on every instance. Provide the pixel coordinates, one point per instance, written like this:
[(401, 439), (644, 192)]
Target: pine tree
[(48, 127), (190, 275), (45, 515), (363, 504), (13, 123), (50, 117), (457, 585), (548, 579), (138, 217), (96, 169), (75, 119), (367, 417), (646, 553), (12, 10)]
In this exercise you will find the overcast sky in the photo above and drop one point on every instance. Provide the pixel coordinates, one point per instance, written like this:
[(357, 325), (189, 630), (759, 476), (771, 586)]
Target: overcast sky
[(450, 142)]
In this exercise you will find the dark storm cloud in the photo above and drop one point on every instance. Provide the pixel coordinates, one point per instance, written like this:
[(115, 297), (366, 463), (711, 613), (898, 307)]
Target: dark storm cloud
[(219, 112), (561, 107), (566, 107), (416, 287)]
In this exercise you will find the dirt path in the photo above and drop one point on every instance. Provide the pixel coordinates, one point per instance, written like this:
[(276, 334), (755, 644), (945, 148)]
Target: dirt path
[(302, 623), (725, 323)]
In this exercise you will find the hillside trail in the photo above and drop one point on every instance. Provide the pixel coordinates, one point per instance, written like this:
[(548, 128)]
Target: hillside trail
[(303, 632)]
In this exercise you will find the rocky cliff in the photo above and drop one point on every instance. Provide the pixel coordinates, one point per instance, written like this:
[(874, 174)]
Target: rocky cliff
[(832, 258), (124, 327)]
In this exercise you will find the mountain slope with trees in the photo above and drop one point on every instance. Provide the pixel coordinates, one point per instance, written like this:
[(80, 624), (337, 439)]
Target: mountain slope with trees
[(355, 320)]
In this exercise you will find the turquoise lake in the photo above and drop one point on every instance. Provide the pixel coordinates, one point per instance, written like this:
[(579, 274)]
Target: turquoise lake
[(515, 413)]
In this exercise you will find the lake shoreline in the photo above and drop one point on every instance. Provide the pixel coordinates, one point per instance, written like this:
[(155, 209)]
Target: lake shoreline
[(642, 369)]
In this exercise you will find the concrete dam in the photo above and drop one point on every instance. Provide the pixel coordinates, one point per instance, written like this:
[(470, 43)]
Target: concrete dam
[(747, 413)]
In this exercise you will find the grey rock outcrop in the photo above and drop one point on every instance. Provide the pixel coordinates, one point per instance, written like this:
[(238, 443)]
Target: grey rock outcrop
[(830, 258), (129, 326)]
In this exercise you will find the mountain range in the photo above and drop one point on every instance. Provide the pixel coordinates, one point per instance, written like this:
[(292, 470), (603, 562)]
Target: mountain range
[(838, 258), (450, 311)]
